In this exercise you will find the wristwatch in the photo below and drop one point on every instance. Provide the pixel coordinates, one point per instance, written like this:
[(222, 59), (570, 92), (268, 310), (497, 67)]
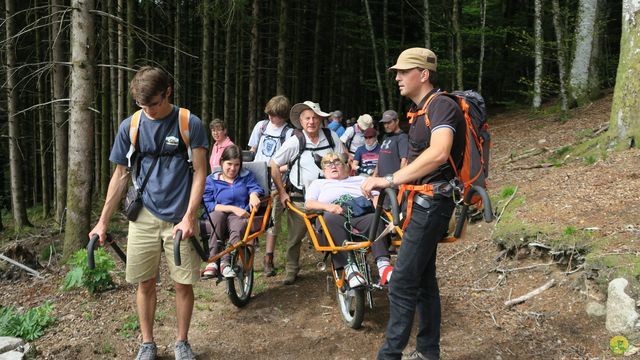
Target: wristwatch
[(389, 179)]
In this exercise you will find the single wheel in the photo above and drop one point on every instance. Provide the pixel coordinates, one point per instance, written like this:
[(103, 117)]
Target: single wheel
[(240, 287), (351, 303)]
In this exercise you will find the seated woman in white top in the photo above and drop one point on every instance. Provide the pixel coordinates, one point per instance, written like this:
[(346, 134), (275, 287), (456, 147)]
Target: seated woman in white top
[(322, 194)]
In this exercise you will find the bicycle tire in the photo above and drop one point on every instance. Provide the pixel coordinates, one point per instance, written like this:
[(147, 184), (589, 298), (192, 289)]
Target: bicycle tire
[(239, 288)]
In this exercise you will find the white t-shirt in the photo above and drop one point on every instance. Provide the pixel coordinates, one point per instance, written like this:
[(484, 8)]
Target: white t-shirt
[(268, 142), (309, 171), (357, 135), (328, 190)]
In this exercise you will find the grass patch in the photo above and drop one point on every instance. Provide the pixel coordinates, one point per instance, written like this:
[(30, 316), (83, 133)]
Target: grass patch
[(106, 348), (129, 326), (203, 294), (605, 267)]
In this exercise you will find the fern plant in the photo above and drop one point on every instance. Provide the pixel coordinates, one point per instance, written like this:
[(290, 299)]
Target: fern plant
[(98, 279)]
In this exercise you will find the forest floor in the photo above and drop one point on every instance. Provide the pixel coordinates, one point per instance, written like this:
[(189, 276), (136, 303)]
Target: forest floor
[(585, 208)]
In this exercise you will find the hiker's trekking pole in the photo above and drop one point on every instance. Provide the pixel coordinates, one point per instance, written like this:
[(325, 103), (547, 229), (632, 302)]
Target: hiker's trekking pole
[(92, 246)]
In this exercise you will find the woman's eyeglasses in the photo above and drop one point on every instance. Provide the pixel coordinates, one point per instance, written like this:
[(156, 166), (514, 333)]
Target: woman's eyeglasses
[(334, 163)]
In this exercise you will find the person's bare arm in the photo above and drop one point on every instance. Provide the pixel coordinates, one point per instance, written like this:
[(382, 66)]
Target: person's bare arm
[(187, 225), (117, 187), (318, 205), (403, 162), (276, 176)]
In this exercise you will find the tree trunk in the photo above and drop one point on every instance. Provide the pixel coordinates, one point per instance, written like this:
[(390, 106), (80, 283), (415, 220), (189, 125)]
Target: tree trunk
[(215, 64), (43, 136), (206, 62), (59, 108), (538, 40), (131, 49), (122, 92), (624, 125), (427, 26), (561, 55), (80, 126), (113, 72), (147, 26), (282, 48), (388, 75), (104, 173), (237, 99), (315, 79), (376, 64), (253, 65), (455, 22), (15, 158), (227, 73), (483, 22), (579, 75), (177, 73)]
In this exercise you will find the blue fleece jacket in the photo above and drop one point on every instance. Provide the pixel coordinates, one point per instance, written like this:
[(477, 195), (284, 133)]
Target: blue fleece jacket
[(218, 191)]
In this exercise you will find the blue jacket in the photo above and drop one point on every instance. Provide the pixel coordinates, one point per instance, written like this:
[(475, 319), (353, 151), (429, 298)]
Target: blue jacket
[(218, 191)]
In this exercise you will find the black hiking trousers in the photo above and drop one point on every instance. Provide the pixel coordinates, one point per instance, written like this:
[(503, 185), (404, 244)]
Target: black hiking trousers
[(413, 285)]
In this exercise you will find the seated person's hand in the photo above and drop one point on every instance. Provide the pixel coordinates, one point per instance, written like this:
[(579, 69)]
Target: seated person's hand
[(334, 209), (254, 201), (240, 212)]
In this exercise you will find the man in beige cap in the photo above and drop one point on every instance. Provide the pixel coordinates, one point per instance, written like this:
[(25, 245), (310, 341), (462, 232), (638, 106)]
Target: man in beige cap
[(298, 152), (436, 134), (353, 136)]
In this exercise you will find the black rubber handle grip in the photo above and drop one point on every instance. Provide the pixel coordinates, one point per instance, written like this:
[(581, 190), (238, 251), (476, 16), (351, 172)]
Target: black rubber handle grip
[(176, 248)]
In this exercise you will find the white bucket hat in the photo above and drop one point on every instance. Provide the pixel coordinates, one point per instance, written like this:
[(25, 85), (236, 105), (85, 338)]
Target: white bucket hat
[(298, 108), (365, 121)]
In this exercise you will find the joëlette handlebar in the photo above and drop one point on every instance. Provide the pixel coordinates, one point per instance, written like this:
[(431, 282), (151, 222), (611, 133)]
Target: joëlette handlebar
[(176, 248), (93, 242), (395, 210), (486, 203)]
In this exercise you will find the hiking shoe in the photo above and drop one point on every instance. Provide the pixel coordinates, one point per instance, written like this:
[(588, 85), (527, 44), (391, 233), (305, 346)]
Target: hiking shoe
[(354, 277), (228, 272), (147, 351), (269, 269), (417, 355), (290, 279), (210, 271), (183, 351)]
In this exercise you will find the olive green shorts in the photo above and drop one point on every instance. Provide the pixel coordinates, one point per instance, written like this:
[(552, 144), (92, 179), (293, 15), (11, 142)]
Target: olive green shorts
[(146, 237)]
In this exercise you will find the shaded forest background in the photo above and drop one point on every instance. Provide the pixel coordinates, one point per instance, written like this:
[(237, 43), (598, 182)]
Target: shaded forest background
[(228, 57)]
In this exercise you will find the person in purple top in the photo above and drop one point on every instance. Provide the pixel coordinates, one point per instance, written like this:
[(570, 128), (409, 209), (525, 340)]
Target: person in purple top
[(229, 195)]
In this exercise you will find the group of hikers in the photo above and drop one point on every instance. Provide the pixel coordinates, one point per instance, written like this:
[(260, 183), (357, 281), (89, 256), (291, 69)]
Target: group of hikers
[(313, 164)]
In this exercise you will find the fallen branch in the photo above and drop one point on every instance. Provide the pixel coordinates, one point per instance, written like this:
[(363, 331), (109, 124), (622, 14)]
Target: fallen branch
[(23, 267), (527, 154), (502, 212), (460, 252), (538, 166), (531, 294), (522, 268)]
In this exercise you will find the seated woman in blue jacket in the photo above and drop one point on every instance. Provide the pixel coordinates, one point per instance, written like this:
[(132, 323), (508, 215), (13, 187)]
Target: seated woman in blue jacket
[(229, 195)]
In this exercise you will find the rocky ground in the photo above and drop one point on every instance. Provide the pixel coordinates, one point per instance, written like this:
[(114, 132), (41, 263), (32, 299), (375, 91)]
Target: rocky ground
[(476, 276)]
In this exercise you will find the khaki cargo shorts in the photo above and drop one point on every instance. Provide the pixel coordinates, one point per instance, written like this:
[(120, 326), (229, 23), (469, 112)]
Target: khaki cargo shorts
[(146, 236)]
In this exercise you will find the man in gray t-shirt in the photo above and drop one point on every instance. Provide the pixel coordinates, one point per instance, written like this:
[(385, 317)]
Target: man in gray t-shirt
[(394, 146), (171, 198)]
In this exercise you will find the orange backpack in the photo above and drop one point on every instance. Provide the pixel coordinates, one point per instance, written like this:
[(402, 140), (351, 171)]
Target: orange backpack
[(471, 177)]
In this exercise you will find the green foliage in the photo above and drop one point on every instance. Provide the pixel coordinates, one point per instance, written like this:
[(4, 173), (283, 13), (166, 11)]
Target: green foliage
[(29, 325), (94, 280), (507, 191), (590, 159), (562, 151), (129, 326), (570, 230)]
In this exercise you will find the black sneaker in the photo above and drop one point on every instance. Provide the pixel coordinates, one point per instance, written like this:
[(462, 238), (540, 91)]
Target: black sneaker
[(147, 351), (417, 355)]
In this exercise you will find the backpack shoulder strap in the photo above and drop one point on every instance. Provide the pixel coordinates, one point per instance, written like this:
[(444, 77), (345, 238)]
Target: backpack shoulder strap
[(183, 119), (329, 136), (424, 111), (133, 136)]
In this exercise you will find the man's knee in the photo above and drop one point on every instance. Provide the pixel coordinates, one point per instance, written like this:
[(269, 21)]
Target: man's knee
[(147, 287), (183, 288)]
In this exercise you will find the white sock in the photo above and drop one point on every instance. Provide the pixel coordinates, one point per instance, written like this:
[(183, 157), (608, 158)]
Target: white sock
[(383, 262)]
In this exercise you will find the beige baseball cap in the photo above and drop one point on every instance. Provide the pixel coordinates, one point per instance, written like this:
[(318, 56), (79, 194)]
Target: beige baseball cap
[(298, 108), (416, 58)]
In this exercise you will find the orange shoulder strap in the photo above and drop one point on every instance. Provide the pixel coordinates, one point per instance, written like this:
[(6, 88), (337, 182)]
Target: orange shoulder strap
[(133, 127), (184, 125)]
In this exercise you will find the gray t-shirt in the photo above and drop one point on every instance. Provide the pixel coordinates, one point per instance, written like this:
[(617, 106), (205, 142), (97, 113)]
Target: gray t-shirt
[(166, 194), (393, 148)]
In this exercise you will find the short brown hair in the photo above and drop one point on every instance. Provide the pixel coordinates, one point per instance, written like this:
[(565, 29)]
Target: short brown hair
[(231, 152), (278, 106), (148, 82), (216, 124)]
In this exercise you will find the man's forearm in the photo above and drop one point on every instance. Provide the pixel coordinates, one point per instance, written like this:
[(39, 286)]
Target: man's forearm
[(276, 176), (117, 186)]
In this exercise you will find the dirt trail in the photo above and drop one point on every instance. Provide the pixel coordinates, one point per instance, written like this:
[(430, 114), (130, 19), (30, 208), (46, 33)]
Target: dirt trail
[(302, 321)]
